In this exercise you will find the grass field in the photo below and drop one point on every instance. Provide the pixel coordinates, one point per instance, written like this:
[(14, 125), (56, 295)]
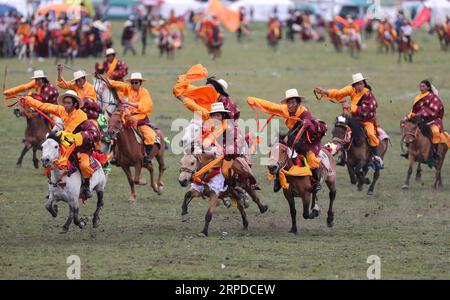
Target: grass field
[(408, 230)]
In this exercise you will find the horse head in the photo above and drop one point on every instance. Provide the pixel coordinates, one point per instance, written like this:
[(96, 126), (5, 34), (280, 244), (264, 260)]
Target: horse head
[(411, 128), (50, 149), (340, 130), (116, 123), (278, 158), (188, 166), (191, 132)]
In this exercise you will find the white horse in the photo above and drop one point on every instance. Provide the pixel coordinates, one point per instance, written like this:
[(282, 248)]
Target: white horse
[(67, 188), (191, 133)]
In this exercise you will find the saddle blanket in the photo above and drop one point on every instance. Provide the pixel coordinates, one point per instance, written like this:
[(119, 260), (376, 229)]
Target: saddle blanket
[(382, 135)]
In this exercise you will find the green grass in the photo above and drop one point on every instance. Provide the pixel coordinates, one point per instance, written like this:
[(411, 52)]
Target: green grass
[(408, 230)]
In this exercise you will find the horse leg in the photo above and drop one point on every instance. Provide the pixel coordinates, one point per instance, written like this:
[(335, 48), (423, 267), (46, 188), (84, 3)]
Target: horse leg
[(191, 194), (243, 215), (332, 195), (418, 172), (152, 177), (131, 183), (262, 206), (214, 200), (376, 175), (366, 179), (315, 210), (51, 206), (35, 160), (70, 217), (161, 169), (410, 170), (360, 175), (76, 219), (96, 218), (351, 173), (137, 175), (438, 179), (291, 201), (22, 154)]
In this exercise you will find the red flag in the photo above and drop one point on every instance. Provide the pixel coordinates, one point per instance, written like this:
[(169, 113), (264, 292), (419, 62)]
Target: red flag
[(229, 18), (422, 17)]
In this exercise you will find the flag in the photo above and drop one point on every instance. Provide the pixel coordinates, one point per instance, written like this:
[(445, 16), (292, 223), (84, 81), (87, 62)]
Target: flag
[(422, 17), (229, 18)]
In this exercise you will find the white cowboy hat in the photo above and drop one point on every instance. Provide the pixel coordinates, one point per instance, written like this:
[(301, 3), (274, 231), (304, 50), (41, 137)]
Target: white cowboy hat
[(223, 84), (70, 93), (78, 75), (136, 76), (38, 74), (357, 78), (218, 107), (128, 23), (292, 93), (110, 51)]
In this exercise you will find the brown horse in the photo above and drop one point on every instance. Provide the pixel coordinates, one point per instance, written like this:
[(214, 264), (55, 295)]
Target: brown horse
[(405, 49), (273, 39), (130, 153), (213, 42), (443, 36), (191, 163), (300, 186), (358, 151), (420, 149), (335, 39), (35, 132)]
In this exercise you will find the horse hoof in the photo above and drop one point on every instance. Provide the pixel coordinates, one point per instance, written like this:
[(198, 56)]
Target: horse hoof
[(366, 180), (132, 199), (36, 164), (141, 182), (64, 230), (314, 214), (369, 192), (294, 231), (264, 208), (360, 188), (202, 234), (330, 224), (405, 187), (95, 222), (18, 166), (184, 218)]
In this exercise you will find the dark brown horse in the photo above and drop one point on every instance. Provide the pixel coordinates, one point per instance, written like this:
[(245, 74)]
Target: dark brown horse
[(130, 153), (35, 132), (443, 36), (358, 151), (300, 186), (416, 135), (405, 49), (213, 42), (191, 163)]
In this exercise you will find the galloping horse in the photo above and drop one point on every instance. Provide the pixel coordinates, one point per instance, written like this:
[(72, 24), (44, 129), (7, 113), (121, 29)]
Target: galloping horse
[(349, 134), (191, 163), (130, 152), (300, 186), (35, 132), (416, 135), (443, 36), (273, 38), (65, 186), (405, 48)]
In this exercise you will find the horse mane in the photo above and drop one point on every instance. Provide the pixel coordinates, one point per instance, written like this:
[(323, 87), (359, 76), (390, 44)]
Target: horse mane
[(358, 133), (420, 122), (52, 135)]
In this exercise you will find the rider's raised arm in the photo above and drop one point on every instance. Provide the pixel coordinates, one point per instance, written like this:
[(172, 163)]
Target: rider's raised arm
[(119, 86), (267, 106), (20, 88), (194, 107), (340, 94), (65, 85), (45, 107)]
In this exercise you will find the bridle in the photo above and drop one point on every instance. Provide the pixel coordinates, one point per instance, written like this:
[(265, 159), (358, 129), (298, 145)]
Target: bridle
[(281, 164), (191, 171)]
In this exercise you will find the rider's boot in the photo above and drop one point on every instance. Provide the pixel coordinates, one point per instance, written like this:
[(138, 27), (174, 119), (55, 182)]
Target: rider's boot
[(85, 188), (316, 176), (341, 161), (276, 184), (377, 158), (148, 151)]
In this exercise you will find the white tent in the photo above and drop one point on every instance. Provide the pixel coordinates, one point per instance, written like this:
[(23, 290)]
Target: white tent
[(180, 7), (262, 9), (439, 10)]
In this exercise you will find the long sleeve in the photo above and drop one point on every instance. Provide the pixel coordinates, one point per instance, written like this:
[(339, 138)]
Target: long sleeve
[(20, 88), (45, 107), (65, 85), (145, 104), (194, 107), (120, 86), (339, 95), (432, 108), (267, 106)]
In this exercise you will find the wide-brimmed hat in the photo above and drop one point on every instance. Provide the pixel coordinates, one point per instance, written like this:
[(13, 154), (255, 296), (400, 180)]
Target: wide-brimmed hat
[(110, 51), (357, 78), (128, 23), (291, 93), (218, 108), (136, 76), (78, 75), (72, 94), (38, 74)]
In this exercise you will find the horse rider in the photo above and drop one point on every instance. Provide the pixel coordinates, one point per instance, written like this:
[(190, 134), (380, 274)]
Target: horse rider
[(406, 32), (292, 110), (363, 108), (78, 84), (112, 68), (352, 31), (231, 114), (77, 130), (140, 106), (430, 108), (44, 90)]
